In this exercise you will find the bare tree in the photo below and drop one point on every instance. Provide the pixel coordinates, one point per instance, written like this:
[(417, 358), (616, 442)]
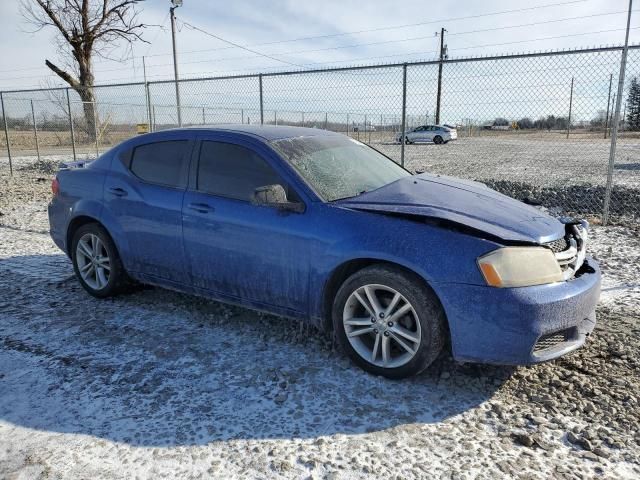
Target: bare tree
[(85, 28)]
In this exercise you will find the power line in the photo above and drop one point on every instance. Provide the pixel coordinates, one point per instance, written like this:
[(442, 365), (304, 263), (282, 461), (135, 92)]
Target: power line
[(245, 47), (544, 38), (541, 23), (272, 57), (161, 29), (193, 27), (312, 64), (385, 42), (394, 27)]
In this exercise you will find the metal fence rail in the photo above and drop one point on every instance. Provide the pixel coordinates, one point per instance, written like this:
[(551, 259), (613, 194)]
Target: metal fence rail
[(534, 125)]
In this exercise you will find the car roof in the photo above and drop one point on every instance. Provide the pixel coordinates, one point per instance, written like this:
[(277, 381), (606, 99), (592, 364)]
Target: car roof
[(265, 132)]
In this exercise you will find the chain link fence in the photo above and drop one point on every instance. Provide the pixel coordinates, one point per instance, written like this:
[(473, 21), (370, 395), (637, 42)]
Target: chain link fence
[(534, 126)]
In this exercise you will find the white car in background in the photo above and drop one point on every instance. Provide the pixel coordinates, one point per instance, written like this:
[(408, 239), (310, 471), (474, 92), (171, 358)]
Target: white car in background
[(437, 134)]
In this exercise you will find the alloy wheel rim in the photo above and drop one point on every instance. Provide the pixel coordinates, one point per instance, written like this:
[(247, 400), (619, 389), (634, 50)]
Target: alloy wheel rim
[(94, 264), (382, 326)]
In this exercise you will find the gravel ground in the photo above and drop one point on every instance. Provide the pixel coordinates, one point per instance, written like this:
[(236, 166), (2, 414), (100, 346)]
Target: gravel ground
[(157, 384), (537, 161)]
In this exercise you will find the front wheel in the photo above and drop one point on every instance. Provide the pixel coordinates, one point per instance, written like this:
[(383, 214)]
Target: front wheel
[(438, 140), (407, 141), (388, 321)]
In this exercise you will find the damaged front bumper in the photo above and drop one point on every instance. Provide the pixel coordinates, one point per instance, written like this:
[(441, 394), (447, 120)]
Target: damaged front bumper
[(525, 325)]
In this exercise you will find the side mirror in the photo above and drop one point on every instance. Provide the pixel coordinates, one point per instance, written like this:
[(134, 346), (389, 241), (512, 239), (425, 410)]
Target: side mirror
[(275, 196)]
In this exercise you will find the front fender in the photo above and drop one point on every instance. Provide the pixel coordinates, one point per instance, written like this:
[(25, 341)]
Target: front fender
[(436, 254)]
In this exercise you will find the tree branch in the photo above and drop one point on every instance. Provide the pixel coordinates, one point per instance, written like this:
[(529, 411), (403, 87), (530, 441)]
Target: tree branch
[(55, 21), (67, 77)]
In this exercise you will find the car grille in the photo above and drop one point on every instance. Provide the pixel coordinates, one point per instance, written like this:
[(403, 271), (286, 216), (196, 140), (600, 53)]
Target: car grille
[(570, 251), (551, 340), (558, 246)]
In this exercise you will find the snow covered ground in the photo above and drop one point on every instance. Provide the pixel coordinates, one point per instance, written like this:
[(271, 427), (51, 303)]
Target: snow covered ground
[(157, 384)]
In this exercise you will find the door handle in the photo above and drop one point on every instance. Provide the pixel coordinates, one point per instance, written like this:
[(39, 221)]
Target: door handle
[(118, 192), (201, 207)]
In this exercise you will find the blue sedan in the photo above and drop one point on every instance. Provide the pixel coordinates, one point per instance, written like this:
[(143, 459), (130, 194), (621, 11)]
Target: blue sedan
[(316, 226)]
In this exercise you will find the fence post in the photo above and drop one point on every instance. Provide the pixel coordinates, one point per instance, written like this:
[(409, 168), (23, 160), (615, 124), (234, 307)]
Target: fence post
[(73, 135), (275, 117), (95, 126), (261, 100), (148, 102), (616, 120), (404, 112), (302, 118), (242, 116), (613, 102), (570, 106), (6, 134), (347, 124), (326, 120), (35, 130), (606, 117), (204, 118), (365, 128)]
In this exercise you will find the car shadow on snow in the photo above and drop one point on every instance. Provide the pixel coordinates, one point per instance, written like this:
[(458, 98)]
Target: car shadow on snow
[(158, 368)]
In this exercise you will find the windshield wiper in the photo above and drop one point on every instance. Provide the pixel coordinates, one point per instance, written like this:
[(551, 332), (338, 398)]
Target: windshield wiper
[(350, 196)]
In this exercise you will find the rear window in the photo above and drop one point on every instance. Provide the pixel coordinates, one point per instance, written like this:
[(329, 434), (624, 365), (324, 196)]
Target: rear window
[(160, 162)]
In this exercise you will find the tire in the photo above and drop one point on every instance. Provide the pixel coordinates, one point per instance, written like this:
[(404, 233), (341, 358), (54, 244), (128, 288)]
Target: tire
[(113, 278), (438, 140), (423, 322), (407, 141)]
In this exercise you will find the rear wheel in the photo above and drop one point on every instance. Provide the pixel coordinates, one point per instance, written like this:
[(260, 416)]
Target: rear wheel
[(438, 140), (388, 321), (407, 141), (96, 261)]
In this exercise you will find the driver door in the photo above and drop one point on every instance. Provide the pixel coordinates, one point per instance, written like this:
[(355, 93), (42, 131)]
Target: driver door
[(235, 249), (416, 134)]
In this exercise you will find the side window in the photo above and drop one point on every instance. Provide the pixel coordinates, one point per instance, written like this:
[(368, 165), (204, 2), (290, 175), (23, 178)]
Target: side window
[(160, 162), (233, 171)]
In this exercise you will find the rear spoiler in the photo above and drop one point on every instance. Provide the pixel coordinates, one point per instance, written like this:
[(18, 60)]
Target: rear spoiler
[(76, 164)]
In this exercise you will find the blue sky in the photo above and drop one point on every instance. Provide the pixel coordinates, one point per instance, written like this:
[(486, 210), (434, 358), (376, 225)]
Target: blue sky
[(258, 22), (349, 33)]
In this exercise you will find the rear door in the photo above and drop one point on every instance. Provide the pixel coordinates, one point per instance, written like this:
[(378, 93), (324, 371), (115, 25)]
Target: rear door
[(143, 194), (416, 134), (429, 133), (254, 254)]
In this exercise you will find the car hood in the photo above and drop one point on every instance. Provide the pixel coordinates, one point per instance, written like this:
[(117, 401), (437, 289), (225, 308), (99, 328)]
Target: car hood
[(463, 202)]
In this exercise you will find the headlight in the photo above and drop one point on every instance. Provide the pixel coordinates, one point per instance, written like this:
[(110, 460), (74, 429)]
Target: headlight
[(520, 267)]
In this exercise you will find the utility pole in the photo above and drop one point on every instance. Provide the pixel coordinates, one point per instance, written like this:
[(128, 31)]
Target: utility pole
[(443, 55), (616, 120), (176, 4)]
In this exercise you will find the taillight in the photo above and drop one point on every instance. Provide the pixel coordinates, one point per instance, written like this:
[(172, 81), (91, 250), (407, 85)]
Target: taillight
[(55, 186)]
